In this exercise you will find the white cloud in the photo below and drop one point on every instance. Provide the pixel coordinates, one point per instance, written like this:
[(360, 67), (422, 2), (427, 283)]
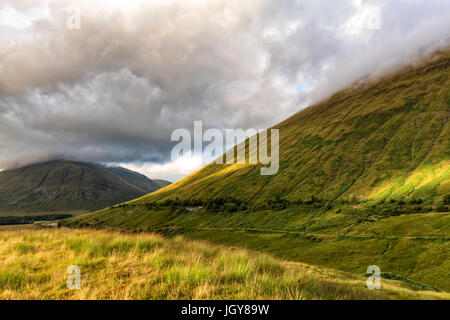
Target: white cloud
[(14, 18), (172, 171), (367, 18)]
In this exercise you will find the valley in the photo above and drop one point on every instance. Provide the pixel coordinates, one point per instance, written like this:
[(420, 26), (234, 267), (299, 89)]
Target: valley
[(198, 151), (411, 245), (363, 180)]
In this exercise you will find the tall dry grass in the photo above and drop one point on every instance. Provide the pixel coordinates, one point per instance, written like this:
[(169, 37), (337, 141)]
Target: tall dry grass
[(114, 265)]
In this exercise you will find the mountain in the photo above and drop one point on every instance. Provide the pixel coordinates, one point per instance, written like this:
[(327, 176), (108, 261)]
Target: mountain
[(364, 180), (162, 183), (69, 186), (386, 140), (136, 179)]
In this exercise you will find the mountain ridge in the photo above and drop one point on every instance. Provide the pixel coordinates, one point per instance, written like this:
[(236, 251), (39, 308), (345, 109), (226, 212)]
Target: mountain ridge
[(62, 185), (387, 140)]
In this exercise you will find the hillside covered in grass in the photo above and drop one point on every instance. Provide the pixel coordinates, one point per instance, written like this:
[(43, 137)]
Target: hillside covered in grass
[(386, 140), (364, 179), (69, 186), (114, 265), (411, 245)]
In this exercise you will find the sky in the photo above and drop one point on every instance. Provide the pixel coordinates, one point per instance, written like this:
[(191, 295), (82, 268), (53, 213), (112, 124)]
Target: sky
[(114, 89)]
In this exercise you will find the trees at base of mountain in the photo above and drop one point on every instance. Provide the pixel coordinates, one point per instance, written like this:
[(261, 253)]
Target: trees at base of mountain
[(12, 220), (230, 205)]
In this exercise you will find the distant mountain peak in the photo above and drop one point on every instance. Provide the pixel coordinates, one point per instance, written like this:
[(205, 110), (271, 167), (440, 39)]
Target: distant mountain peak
[(65, 185)]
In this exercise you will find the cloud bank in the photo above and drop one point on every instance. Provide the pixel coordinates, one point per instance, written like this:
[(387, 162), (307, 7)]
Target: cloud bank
[(114, 90)]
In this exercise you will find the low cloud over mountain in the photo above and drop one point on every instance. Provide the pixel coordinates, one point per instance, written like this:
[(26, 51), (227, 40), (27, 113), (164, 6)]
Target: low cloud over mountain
[(114, 90)]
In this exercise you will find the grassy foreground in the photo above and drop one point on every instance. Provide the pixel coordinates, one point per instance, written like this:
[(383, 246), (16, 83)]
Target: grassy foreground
[(115, 265), (412, 245)]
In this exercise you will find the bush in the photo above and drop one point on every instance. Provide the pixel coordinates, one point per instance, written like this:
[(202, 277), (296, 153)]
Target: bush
[(442, 209), (447, 199), (230, 207), (228, 204), (312, 200), (278, 203), (416, 201)]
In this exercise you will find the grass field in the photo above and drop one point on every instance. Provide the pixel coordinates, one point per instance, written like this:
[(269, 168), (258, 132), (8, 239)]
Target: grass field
[(115, 265), (411, 245)]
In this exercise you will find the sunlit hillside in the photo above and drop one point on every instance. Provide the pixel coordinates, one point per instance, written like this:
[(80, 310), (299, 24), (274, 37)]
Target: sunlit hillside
[(114, 265), (363, 179), (389, 139)]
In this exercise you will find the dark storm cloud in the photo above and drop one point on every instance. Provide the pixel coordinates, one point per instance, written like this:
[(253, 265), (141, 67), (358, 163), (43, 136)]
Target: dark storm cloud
[(114, 90)]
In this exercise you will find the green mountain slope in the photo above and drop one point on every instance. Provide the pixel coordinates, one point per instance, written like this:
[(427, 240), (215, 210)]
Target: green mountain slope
[(387, 143), (387, 140), (69, 186)]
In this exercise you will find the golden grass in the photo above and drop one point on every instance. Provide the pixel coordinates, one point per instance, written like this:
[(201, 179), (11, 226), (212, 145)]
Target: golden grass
[(114, 265)]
